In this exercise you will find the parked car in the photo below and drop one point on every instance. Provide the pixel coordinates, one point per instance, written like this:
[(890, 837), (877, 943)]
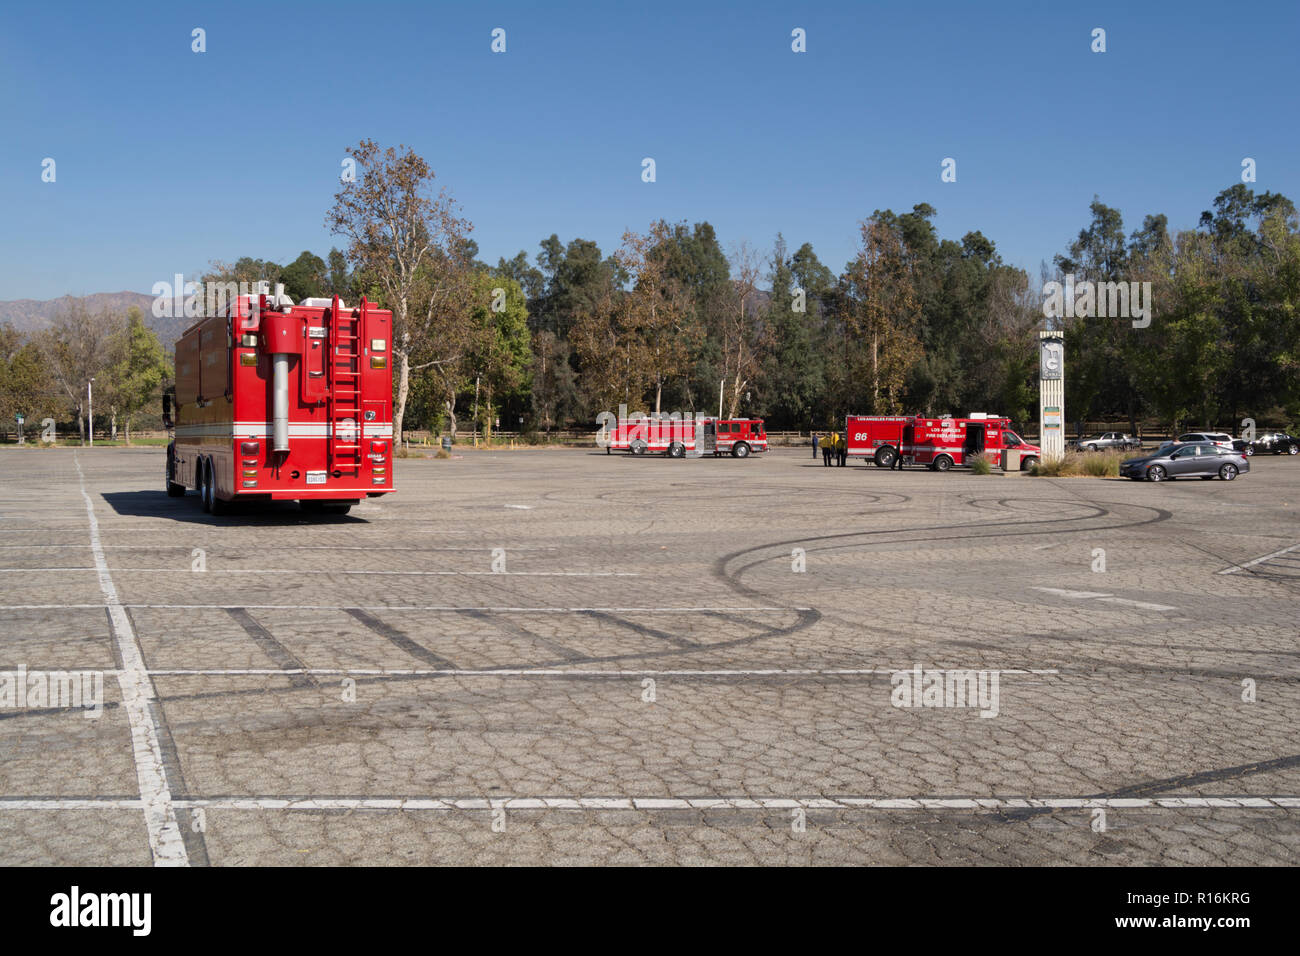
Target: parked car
[(1222, 439), (1108, 440), (1279, 443), (1202, 459)]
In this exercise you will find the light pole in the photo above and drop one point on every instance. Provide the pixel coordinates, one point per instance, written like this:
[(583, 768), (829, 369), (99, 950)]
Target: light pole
[(90, 410)]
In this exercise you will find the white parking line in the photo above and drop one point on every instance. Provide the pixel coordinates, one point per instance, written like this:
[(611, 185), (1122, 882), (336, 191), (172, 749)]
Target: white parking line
[(647, 803), (137, 692), (1107, 598), (1268, 557)]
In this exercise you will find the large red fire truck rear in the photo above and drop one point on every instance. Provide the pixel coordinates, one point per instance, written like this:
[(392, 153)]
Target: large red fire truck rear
[(939, 443), (276, 401), (694, 437)]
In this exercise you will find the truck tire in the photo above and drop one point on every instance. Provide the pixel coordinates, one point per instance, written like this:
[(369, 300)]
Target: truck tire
[(637, 447), (215, 506), (1027, 463), (174, 490), (205, 485), (676, 450), (740, 450), (942, 463), (885, 457)]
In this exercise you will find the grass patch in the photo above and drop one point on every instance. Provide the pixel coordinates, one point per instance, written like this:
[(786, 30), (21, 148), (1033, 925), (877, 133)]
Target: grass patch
[(980, 465), (1081, 464)]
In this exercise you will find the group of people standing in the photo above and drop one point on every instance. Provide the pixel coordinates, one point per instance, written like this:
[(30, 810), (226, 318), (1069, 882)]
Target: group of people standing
[(835, 450), (834, 447)]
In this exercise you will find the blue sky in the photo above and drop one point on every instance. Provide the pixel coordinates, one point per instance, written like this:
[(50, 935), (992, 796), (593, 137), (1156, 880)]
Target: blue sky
[(167, 159)]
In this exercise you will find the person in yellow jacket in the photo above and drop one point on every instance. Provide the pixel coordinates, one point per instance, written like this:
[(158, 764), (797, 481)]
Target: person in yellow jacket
[(841, 450), (828, 448)]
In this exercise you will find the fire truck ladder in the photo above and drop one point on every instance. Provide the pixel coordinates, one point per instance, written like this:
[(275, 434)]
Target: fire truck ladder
[(345, 439)]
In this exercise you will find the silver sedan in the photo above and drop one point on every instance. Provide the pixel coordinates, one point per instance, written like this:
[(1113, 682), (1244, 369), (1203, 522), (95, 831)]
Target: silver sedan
[(1200, 459)]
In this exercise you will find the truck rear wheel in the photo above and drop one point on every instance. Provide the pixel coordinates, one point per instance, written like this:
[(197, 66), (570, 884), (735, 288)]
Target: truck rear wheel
[(205, 489), (676, 450), (942, 463), (638, 447), (211, 503), (885, 457)]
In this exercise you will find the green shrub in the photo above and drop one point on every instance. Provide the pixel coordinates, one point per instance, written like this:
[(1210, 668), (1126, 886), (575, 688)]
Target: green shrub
[(980, 465)]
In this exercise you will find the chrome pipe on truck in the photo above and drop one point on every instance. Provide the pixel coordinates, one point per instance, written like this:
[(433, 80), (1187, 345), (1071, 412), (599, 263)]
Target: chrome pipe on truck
[(280, 402)]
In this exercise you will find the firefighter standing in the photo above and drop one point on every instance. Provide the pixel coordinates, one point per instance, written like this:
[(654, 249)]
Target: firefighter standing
[(842, 450), (828, 446)]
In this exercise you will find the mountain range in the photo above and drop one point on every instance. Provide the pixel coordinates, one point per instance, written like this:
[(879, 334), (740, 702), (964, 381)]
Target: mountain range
[(32, 315)]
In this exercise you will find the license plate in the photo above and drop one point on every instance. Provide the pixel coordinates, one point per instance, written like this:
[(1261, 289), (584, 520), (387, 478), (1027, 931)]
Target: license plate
[(315, 477)]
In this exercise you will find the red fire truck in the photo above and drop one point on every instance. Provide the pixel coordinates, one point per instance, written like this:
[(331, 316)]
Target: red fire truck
[(279, 401), (939, 443), (678, 438)]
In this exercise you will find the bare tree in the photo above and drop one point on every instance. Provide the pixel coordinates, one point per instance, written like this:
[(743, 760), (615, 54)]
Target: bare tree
[(744, 338), (76, 349), (412, 245)]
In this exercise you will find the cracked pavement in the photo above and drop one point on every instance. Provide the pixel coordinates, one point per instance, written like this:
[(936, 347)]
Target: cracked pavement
[(650, 646)]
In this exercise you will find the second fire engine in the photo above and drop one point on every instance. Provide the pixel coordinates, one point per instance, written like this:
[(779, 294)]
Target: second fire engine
[(938, 443), (689, 437)]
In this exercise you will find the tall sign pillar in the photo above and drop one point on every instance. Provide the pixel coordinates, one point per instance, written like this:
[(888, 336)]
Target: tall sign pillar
[(1051, 394)]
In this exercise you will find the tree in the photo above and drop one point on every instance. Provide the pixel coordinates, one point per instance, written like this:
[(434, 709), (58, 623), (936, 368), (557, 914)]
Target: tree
[(744, 339), (554, 393), (139, 371), (75, 349), (305, 277), (24, 380), (404, 240), (500, 353), (793, 369), (881, 313)]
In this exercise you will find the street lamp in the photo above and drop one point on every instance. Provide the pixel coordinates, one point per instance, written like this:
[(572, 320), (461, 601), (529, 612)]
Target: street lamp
[(90, 407)]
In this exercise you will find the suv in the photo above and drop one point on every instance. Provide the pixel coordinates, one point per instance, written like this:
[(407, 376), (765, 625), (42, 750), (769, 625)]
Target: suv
[(1222, 439), (1108, 440), (1279, 443)]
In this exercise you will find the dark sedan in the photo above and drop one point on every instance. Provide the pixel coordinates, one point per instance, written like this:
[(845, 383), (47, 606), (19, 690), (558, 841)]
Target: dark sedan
[(1279, 443), (1202, 459)]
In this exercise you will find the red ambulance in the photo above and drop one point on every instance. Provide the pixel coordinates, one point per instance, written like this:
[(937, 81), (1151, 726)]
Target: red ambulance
[(938, 443)]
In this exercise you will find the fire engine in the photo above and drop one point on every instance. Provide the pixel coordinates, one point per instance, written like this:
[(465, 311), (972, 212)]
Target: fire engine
[(277, 401), (677, 438), (939, 443)]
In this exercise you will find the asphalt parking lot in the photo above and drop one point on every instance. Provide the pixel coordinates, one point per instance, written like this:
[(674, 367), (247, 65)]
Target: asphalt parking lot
[(564, 657)]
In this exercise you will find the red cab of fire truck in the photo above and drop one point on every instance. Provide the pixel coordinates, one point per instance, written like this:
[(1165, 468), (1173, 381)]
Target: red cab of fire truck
[(277, 401), (690, 437), (938, 443)]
